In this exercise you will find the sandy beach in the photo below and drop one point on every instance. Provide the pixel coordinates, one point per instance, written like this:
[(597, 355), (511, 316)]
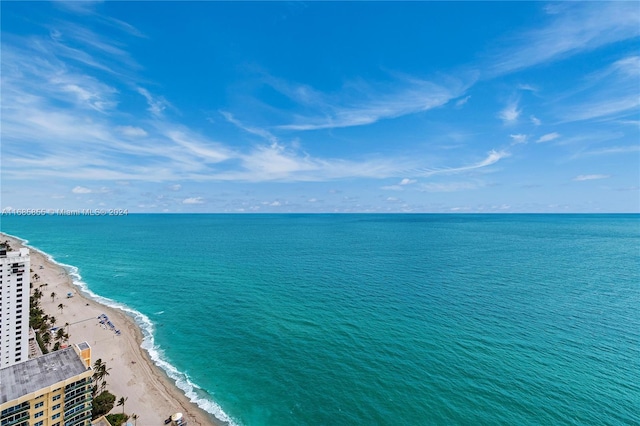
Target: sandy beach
[(150, 393)]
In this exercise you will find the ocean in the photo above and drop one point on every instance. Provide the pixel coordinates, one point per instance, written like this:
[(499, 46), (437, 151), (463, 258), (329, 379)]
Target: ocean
[(374, 319)]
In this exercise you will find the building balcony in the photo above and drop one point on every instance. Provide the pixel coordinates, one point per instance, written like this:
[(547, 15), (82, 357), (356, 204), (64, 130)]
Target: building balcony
[(17, 420)]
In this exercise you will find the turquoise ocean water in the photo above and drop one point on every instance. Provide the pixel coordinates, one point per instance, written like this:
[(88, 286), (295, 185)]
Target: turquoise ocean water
[(375, 319)]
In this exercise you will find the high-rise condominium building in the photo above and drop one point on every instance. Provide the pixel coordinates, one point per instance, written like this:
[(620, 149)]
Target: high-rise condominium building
[(14, 306)]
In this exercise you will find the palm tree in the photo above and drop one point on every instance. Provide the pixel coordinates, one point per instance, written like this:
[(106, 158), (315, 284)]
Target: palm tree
[(121, 401), (100, 371), (61, 307), (43, 327), (52, 321), (97, 364), (36, 277), (134, 416), (53, 296), (60, 334), (46, 339), (37, 294)]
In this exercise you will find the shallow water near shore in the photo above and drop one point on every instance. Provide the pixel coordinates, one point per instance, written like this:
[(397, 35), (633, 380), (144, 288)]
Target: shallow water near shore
[(376, 319)]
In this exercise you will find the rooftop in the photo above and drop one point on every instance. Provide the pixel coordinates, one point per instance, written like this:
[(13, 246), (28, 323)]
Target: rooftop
[(102, 421), (34, 374), (21, 254)]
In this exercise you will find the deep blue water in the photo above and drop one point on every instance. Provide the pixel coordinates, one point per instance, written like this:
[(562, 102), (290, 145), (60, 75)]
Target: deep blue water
[(376, 319)]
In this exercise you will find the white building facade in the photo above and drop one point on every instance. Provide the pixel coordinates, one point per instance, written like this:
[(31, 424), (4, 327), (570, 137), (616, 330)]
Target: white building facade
[(14, 306)]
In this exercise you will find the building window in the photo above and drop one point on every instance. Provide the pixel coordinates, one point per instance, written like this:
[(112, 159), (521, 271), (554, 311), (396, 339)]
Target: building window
[(40, 423), (56, 397), (38, 414), (55, 416), (55, 407), (38, 405)]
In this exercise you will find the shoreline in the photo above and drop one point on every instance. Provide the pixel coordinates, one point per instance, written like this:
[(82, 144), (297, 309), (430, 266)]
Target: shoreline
[(150, 392)]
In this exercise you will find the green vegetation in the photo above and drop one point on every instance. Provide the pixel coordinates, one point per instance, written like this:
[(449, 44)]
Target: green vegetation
[(100, 372), (102, 404), (105, 400), (42, 323), (117, 419), (42, 344)]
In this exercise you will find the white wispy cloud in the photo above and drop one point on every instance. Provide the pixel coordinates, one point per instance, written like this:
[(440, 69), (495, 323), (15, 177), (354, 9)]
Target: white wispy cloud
[(463, 101), (577, 27), (527, 87), (635, 123), (581, 178), (84, 190), (392, 188), (548, 137), (492, 158), (535, 120), (610, 93), (206, 150), (29, 75), (88, 9), (400, 186), (263, 133), (518, 138), (450, 186), (193, 200), (69, 33), (132, 131), (611, 150), (81, 190), (604, 108), (510, 113), (157, 104), (363, 104)]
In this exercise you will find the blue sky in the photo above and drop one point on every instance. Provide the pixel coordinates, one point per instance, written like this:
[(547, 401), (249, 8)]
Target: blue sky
[(321, 106)]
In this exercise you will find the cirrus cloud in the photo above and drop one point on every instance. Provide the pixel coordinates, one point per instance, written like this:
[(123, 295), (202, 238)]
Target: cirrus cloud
[(193, 200), (582, 178)]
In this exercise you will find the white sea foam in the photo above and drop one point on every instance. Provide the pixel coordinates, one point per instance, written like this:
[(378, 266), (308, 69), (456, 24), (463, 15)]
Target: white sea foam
[(182, 381)]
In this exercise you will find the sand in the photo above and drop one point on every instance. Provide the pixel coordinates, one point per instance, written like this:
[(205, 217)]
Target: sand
[(150, 393)]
